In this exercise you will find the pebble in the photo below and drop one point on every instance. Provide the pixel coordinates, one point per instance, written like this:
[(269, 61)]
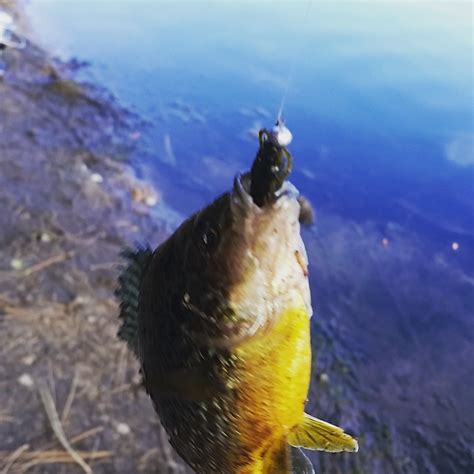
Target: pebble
[(143, 193), (26, 380), (97, 178), (83, 168), (123, 428), (151, 200), (16, 264), (324, 377), (28, 360), (45, 238)]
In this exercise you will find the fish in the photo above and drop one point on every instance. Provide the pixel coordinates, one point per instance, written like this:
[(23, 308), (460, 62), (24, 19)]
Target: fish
[(219, 315)]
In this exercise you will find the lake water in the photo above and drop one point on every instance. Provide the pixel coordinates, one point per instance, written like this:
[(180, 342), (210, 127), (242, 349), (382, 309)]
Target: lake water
[(380, 102)]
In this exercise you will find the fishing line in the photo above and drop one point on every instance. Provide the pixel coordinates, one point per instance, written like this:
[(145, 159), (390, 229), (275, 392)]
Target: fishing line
[(289, 79)]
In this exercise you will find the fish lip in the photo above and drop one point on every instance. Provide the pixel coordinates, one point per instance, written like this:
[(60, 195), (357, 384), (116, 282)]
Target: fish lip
[(242, 197)]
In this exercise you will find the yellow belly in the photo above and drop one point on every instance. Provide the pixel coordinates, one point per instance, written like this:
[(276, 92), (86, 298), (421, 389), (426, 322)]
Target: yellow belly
[(273, 385)]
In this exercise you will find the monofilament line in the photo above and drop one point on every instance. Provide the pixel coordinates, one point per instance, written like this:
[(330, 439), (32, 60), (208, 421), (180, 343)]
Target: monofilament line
[(292, 69)]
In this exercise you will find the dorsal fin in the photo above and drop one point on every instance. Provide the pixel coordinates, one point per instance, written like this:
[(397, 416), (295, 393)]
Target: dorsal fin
[(128, 293)]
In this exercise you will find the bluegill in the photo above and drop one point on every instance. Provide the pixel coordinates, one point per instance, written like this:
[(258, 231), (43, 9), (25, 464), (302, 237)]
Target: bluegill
[(219, 318)]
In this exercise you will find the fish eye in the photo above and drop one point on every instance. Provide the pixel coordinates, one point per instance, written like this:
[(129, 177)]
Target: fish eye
[(209, 239)]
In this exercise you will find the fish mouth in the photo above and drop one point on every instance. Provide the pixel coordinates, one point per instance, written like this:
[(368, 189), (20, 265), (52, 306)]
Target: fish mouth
[(244, 200), (270, 169)]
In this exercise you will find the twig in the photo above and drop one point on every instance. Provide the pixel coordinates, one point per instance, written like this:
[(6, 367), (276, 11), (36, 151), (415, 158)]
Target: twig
[(57, 457), (47, 263), (52, 381), (121, 371), (103, 266), (5, 418), (55, 422), (18, 311), (86, 434), (53, 454), (13, 457), (122, 388), (6, 301), (73, 440), (70, 398)]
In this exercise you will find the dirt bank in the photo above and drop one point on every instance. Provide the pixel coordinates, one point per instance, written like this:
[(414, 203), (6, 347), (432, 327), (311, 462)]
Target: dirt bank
[(69, 205)]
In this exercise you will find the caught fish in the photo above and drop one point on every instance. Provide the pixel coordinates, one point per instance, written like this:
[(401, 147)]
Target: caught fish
[(219, 318)]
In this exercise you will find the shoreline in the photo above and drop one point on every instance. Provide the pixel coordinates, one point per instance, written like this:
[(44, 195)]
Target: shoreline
[(70, 203)]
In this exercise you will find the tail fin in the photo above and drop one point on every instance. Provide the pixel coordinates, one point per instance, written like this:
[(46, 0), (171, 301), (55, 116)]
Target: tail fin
[(128, 293), (319, 435)]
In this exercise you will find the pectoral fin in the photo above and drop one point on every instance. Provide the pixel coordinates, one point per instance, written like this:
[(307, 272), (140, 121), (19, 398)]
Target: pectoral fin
[(320, 435)]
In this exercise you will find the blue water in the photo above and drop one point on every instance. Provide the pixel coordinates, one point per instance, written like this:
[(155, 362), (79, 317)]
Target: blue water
[(380, 101)]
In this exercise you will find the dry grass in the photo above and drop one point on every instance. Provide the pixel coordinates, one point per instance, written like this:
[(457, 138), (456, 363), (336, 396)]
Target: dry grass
[(23, 460), (79, 379)]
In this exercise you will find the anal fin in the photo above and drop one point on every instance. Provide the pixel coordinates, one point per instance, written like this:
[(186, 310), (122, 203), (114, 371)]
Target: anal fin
[(284, 459), (316, 434), (300, 463)]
